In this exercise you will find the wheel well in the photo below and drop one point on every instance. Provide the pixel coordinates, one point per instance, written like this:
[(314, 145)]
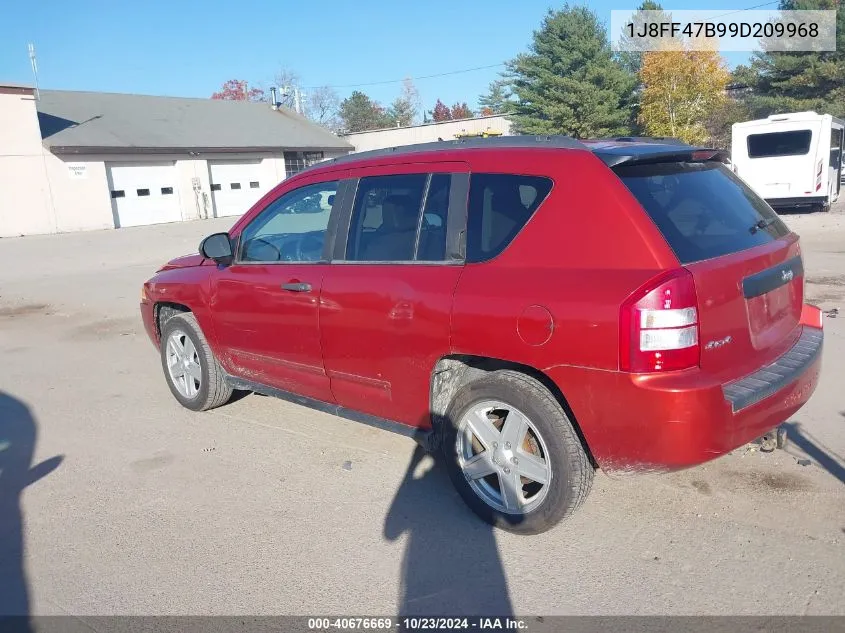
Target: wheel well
[(452, 372), (164, 310)]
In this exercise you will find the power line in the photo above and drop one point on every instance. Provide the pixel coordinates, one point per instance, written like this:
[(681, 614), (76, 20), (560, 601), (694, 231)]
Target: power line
[(756, 6), (397, 81), (469, 70)]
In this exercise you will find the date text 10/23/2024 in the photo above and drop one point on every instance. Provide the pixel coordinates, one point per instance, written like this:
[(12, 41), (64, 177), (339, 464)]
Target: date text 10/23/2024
[(419, 623)]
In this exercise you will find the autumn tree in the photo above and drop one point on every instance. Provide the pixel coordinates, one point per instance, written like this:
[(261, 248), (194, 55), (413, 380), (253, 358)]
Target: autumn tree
[(682, 88), (405, 107), (359, 113), (441, 112), (461, 111), (569, 81), (497, 99), (238, 90)]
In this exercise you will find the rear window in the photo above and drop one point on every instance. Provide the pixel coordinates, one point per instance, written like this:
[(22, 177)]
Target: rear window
[(795, 143), (702, 209)]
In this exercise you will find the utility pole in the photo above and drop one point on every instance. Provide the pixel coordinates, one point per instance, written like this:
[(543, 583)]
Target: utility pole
[(34, 64), (298, 100)]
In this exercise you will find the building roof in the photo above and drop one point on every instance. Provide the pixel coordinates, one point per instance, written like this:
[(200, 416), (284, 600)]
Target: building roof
[(431, 124), (100, 122)]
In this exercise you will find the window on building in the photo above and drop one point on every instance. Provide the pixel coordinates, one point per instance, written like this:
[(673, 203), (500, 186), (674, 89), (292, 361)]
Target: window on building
[(166, 191), (253, 184), (499, 206), (215, 187), (142, 192), (235, 185), (120, 193), (295, 162)]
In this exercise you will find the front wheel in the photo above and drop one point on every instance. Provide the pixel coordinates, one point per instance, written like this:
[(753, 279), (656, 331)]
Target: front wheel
[(513, 454), (193, 374)]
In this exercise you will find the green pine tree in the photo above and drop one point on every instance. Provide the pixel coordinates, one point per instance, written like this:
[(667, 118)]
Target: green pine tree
[(794, 82), (497, 99), (631, 57), (569, 82)]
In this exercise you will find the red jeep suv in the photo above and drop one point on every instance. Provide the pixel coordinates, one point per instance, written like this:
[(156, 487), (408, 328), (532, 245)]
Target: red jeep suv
[(534, 307)]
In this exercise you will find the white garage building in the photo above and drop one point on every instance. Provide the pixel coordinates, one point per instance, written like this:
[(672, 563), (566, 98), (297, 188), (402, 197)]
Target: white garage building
[(72, 161)]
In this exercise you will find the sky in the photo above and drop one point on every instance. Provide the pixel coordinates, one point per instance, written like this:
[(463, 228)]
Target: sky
[(189, 48)]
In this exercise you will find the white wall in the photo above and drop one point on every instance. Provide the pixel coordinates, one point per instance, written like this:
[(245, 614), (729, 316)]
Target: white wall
[(45, 193), (25, 204), (427, 133), (85, 203), (81, 199)]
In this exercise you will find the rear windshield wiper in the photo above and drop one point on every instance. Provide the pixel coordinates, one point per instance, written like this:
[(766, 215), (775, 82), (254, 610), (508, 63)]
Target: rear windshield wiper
[(762, 224)]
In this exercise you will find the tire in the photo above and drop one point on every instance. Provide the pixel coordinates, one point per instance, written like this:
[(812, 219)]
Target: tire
[(551, 436), (212, 390)]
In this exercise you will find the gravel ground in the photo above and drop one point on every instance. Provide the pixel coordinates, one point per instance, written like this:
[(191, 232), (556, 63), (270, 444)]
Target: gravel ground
[(115, 500)]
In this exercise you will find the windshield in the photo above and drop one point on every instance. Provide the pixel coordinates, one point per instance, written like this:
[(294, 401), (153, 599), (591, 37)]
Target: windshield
[(702, 209)]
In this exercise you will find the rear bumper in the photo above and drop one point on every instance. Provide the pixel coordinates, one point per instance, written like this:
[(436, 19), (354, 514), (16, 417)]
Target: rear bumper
[(769, 380), (662, 422), (800, 201)]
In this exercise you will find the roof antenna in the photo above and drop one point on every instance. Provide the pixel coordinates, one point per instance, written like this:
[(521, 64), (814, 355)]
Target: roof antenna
[(31, 48)]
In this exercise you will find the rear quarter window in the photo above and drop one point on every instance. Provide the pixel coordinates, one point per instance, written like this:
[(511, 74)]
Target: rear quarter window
[(771, 144), (499, 206), (702, 209)]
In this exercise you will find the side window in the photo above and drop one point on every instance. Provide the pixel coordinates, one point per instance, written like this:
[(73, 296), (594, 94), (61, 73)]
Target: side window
[(291, 228), (432, 244), (499, 206), (385, 218)]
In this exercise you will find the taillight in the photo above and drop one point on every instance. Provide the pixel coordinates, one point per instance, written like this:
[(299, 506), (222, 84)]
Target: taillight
[(659, 325)]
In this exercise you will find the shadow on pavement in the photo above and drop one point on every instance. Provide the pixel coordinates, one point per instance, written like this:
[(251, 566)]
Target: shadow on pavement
[(17, 445), (451, 564), (815, 450)]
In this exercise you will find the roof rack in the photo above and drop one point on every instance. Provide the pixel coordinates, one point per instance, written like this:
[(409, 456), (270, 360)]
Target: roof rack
[(662, 140), (612, 151), (524, 141)]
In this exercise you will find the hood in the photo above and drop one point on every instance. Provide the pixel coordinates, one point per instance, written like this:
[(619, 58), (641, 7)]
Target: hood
[(185, 261)]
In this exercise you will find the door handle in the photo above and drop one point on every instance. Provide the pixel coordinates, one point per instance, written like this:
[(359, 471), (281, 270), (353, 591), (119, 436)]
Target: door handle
[(296, 286)]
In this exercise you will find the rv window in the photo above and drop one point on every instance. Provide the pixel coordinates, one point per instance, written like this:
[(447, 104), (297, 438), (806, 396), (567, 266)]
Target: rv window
[(795, 143)]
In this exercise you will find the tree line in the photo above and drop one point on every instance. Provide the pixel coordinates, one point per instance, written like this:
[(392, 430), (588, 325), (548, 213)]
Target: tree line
[(571, 82), (357, 113)]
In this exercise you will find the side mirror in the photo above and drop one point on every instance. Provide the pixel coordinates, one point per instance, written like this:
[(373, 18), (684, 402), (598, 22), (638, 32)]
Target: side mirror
[(217, 247)]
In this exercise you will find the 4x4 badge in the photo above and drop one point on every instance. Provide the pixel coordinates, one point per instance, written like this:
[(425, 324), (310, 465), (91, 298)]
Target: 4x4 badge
[(787, 275), (718, 343)]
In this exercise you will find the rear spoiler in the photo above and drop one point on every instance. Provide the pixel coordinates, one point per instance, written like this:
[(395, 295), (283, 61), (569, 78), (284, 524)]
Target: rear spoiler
[(659, 153)]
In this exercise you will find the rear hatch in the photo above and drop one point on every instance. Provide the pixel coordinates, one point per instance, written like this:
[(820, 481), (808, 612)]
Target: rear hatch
[(745, 262)]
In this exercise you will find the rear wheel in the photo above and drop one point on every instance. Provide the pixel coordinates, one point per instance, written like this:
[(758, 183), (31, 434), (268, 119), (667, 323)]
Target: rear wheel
[(513, 454), (193, 374)]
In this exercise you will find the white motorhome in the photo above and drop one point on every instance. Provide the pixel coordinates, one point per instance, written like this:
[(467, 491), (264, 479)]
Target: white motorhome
[(791, 160)]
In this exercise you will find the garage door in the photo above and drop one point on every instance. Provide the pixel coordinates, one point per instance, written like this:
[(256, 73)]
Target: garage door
[(144, 193), (236, 185)]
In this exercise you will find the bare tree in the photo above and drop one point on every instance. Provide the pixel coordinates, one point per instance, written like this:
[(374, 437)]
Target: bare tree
[(322, 106), (406, 106), (286, 80)]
